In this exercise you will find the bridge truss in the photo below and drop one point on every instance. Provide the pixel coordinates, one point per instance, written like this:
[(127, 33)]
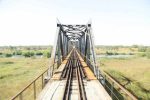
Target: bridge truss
[(78, 36), (82, 61)]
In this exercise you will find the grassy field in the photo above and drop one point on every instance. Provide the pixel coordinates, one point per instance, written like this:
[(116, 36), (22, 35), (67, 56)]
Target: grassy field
[(16, 73), (116, 50), (133, 73)]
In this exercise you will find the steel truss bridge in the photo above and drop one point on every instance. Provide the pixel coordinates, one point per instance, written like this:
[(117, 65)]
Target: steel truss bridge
[(73, 73)]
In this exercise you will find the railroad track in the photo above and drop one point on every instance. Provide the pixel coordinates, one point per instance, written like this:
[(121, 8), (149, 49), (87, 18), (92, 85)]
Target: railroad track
[(73, 73)]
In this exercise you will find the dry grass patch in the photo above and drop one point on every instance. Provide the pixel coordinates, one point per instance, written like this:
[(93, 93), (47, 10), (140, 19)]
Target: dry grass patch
[(133, 73), (16, 73)]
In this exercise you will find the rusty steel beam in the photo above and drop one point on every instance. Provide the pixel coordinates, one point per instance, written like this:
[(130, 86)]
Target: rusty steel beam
[(74, 36)]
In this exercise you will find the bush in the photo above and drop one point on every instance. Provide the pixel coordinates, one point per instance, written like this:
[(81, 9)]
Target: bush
[(18, 53), (1, 53), (148, 55), (8, 55), (141, 54), (115, 53), (131, 53), (47, 54), (39, 53), (14, 53), (109, 53), (142, 49), (28, 54)]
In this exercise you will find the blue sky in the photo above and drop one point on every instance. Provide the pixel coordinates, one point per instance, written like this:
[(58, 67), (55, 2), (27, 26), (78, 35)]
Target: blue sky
[(114, 22)]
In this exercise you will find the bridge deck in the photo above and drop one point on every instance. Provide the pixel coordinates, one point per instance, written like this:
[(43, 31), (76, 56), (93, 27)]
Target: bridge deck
[(55, 88), (54, 91)]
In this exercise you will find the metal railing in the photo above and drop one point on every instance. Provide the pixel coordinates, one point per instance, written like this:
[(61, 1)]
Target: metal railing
[(31, 91), (115, 89)]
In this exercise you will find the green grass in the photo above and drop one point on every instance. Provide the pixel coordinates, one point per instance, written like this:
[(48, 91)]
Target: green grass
[(132, 73), (16, 73)]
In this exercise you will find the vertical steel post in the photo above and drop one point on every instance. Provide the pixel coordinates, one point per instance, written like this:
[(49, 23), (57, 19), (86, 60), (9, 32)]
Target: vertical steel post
[(64, 45), (92, 50), (112, 87), (34, 86), (42, 81), (61, 45), (86, 44), (80, 45), (58, 51), (53, 54), (20, 97), (83, 37), (67, 40)]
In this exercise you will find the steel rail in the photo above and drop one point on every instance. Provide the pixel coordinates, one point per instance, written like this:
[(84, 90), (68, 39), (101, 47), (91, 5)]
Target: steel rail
[(74, 66), (65, 71), (69, 78), (80, 83)]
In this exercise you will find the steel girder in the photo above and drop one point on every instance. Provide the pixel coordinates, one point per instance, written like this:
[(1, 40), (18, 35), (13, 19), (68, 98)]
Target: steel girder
[(69, 36)]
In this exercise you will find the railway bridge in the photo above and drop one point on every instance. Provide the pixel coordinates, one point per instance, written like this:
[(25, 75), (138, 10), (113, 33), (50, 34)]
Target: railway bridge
[(73, 73)]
